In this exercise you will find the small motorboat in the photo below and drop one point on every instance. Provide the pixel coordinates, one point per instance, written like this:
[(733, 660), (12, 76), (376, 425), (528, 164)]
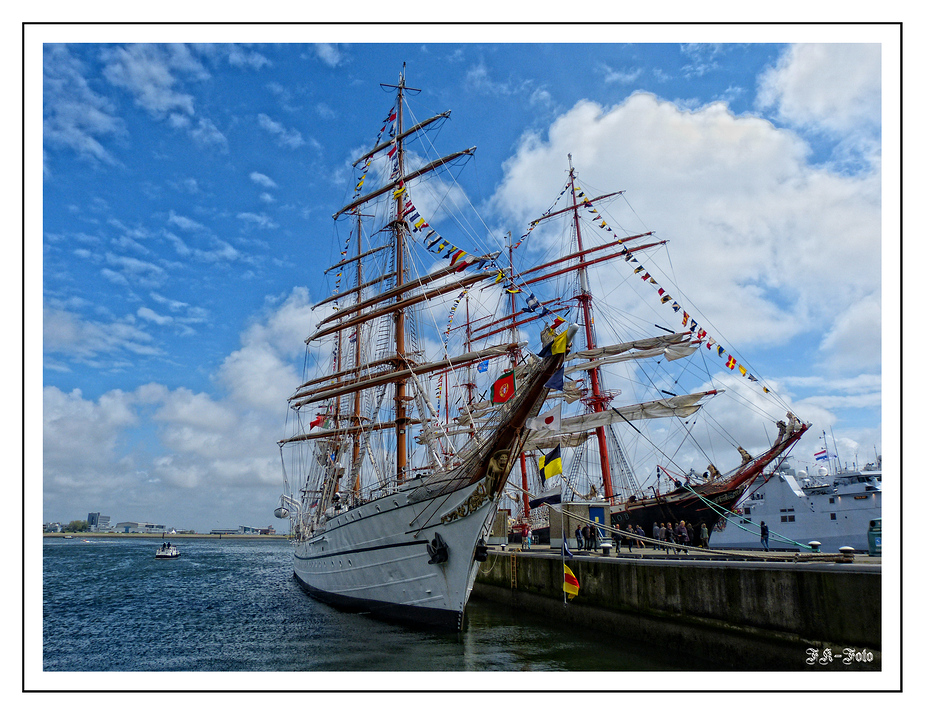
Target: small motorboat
[(167, 552)]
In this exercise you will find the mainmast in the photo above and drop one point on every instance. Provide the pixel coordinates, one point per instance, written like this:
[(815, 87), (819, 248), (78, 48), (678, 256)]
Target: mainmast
[(597, 400), (357, 359)]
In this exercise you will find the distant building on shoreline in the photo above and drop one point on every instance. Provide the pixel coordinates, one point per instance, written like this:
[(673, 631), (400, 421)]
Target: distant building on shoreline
[(97, 522), (268, 531), (139, 527)]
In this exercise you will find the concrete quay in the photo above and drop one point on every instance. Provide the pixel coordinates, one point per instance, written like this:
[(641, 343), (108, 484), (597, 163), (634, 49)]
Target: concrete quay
[(718, 610)]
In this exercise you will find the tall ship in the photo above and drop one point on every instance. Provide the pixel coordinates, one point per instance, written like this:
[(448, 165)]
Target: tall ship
[(389, 513), (834, 510), (670, 454)]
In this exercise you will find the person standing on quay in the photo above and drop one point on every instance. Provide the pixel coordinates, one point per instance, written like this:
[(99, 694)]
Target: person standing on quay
[(704, 535), (764, 536), (579, 542)]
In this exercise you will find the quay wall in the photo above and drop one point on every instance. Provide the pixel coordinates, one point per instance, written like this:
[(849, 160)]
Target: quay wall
[(738, 615)]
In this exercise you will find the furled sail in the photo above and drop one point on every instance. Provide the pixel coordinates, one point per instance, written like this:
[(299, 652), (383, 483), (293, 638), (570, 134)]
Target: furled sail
[(679, 406), (671, 352)]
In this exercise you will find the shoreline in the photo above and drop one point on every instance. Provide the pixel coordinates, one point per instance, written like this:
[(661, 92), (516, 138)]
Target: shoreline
[(159, 536)]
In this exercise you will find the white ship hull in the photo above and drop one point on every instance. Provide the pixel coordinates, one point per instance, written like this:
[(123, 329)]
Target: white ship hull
[(834, 516), (375, 558)]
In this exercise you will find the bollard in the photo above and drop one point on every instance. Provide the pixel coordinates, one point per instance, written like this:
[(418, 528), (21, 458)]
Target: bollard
[(606, 546), (814, 545)]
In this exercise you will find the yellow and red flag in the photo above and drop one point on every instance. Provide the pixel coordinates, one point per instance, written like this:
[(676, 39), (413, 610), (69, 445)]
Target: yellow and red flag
[(570, 585)]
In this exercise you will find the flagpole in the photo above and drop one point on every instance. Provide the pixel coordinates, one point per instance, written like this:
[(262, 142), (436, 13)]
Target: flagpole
[(562, 550)]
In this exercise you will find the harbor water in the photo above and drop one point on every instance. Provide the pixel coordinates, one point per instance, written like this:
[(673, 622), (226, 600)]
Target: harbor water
[(233, 605)]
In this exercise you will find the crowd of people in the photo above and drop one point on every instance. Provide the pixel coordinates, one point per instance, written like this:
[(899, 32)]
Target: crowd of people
[(668, 535)]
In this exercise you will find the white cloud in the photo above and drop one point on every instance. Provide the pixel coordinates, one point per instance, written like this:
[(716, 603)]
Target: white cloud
[(258, 220), (762, 244), (226, 441), (80, 446), (832, 86), (291, 138), (328, 53), (187, 224), (854, 340), (239, 57), (149, 315), (261, 374), (75, 116), (178, 243), (154, 74), (206, 133), (702, 58), (140, 272), (147, 72), (222, 251), (67, 333), (262, 180), (621, 76)]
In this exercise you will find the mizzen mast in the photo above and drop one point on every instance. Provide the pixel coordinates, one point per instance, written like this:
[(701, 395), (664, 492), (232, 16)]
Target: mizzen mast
[(598, 400)]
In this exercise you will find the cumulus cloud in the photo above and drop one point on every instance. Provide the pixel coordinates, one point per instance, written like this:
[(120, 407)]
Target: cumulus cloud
[(761, 242), (224, 440), (261, 374), (81, 443), (854, 342), (834, 86)]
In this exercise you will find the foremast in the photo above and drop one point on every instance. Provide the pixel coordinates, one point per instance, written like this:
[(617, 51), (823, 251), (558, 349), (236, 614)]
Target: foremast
[(400, 361), (395, 300)]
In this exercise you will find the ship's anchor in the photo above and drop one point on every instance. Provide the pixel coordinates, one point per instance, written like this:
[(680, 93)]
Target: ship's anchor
[(438, 550)]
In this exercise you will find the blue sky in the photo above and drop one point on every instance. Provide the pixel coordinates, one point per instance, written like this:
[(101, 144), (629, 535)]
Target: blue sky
[(187, 194)]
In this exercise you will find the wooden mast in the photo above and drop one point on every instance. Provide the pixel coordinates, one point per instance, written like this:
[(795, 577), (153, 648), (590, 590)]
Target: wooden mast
[(393, 299), (597, 401), (358, 343), (401, 418), (514, 356)]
